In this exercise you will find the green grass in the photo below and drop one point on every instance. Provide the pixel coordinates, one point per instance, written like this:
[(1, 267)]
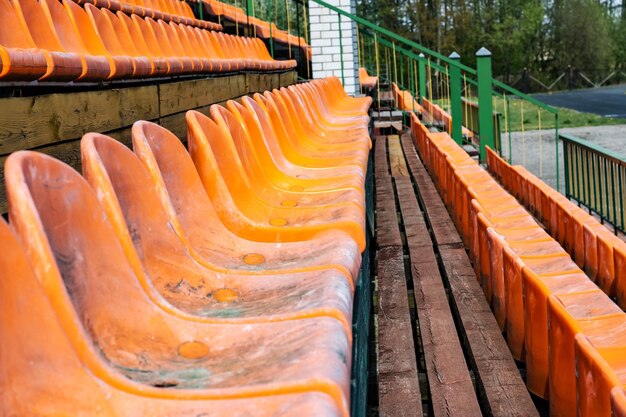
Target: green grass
[(530, 119), (567, 117)]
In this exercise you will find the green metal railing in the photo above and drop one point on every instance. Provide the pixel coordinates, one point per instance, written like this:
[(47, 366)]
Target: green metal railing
[(596, 178)]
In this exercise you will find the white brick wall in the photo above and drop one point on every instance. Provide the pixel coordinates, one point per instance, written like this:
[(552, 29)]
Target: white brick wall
[(324, 29)]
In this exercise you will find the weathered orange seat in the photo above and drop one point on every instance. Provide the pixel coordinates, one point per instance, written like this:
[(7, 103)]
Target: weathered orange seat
[(121, 66), (310, 178), (100, 18), (221, 295), (269, 178), (62, 64), (199, 212), (20, 59), (96, 295), (45, 375), (257, 219)]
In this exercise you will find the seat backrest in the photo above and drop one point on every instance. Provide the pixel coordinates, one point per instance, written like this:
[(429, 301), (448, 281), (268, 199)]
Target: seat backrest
[(76, 257), (182, 192), (137, 215), (149, 36), (133, 32), (34, 20), (83, 27), (105, 29), (12, 33), (40, 368), (126, 41)]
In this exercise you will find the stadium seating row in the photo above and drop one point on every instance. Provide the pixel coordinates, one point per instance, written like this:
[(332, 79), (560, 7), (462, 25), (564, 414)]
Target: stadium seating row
[(221, 10), (405, 101), (176, 11), (596, 250), (217, 282), (60, 41), (366, 81), (444, 118), (569, 332)]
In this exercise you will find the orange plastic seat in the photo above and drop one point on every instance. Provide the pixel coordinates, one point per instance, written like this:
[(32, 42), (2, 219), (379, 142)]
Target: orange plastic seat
[(537, 289), (19, 57), (607, 277), (255, 218), (328, 134), (588, 313), (599, 369), (357, 138), (115, 46), (121, 66), (62, 65), (302, 152), (368, 82), (44, 375), (133, 31), (157, 47), (358, 148), (619, 253), (164, 37), (311, 178), (188, 205), (215, 295), (95, 67), (265, 171), (90, 285)]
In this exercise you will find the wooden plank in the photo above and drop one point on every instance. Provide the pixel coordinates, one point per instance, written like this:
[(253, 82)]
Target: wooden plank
[(398, 383), (396, 157), (500, 386), (388, 233), (288, 78), (445, 232), (191, 94), (451, 389), (31, 122)]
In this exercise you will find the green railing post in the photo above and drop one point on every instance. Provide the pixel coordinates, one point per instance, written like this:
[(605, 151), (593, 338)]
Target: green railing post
[(456, 108), (272, 12), (485, 104), (200, 10), (343, 81), (422, 77)]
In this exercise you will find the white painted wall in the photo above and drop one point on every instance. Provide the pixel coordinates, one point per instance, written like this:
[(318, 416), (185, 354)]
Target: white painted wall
[(324, 26)]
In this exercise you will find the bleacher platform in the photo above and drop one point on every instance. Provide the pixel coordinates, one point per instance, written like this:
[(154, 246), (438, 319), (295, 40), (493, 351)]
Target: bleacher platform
[(191, 229)]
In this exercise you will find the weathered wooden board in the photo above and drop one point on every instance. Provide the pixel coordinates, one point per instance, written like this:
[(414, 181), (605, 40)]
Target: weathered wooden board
[(396, 157), (398, 384), (32, 122), (181, 96), (451, 389), (501, 389)]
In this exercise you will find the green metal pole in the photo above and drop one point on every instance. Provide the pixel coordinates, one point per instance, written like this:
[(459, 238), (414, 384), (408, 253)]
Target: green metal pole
[(556, 135), (422, 77), (456, 107), (485, 105), (343, 81), (200, 10)]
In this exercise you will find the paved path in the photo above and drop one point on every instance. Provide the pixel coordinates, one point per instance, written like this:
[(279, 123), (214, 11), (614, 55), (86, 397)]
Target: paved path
[(606, 101)]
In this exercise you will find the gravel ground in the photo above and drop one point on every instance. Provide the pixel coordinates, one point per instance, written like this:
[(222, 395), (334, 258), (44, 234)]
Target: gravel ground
[(527, 150)]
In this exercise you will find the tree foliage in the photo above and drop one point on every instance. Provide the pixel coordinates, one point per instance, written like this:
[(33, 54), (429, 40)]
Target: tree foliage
[(540, 35)]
